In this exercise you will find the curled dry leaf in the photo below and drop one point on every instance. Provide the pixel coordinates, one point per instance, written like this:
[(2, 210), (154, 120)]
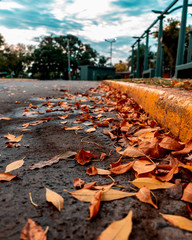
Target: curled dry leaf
[(169, 176), (178, 221), (187, 149), (94, 171), (7, 176), (121, 168), (103, 156), (143, 166), (187, 193), (32, 231), (171, 144), (144, 195), (118, 230), (55, 199), (90, 130), (75, 128), (95, 204), (116, 164), (12, 138), (84, 157), (63, 117), (14, 165), (86, 195), (151, 183), (89, 185), (78, 182), (189, 210), (132, 152)]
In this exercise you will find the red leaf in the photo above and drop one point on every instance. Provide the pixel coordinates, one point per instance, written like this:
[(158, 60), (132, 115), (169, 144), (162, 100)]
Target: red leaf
[(84, 157)]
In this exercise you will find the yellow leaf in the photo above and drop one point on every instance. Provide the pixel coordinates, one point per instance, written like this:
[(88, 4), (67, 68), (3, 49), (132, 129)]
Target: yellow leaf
[(86, 195), (14, 165), (119, 230), (54, 198), (151, 183), (178, 221)]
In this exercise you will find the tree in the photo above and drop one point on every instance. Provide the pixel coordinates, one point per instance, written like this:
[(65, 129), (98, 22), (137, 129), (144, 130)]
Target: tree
[(51, 56), (102, 61), (121, 67)]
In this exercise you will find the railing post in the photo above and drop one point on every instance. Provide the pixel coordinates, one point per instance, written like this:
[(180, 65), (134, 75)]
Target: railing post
[(189, 47), (132, 61), (158, 69), (146, 51), (181, 41), (138, 58)]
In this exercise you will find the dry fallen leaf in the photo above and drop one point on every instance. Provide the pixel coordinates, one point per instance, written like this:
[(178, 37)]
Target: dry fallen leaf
[(12, 138), (41, 164), (132, 152), (171, 144), (178, 221), (14, 165), (75, 128), (5, 118), (7, 176), (143, 166), (95, 204), (90, 130), (84, 157), (118, 230), (187, 193), (78, 182), (151, 183), (55, 199), (121, 168), (86, 195), (144, 195), (63, 117), (32, 231), (94, 171)]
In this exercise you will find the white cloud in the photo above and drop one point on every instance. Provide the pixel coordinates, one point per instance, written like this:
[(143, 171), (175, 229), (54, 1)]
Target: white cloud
[(10, 5)]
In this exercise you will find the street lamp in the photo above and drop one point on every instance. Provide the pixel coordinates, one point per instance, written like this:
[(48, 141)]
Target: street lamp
[(111, 41)]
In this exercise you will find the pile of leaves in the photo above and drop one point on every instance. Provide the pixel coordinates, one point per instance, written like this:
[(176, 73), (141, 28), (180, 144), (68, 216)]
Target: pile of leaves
[(155, 158)]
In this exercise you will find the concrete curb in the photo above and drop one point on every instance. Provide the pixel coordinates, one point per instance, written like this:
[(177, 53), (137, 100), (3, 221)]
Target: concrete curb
[(171, 108)]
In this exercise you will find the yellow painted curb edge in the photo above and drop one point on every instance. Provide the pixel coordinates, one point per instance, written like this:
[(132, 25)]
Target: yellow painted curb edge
[(172, 112)]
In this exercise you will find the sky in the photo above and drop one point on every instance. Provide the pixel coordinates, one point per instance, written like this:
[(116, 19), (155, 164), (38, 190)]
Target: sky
[(92, 21)]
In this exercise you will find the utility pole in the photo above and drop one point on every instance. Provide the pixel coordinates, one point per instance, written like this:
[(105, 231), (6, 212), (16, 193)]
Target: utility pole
[(111, 42), (69, 64)]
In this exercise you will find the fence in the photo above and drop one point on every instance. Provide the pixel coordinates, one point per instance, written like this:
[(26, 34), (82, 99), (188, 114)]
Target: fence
[(182, 70)]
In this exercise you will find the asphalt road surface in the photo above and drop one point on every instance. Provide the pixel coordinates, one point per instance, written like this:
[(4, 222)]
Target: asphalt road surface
[(47, 139)]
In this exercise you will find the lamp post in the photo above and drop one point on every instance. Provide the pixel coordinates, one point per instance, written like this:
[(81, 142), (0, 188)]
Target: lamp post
[(138, 56), (111, 42)]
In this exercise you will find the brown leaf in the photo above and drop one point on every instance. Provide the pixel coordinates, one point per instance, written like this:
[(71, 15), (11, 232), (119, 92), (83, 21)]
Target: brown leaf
[(121, 168), (103, 156), (12, 138), (78, 182), (75, 128), (55, 199), (151, 183), (189, 210), (84, 157), (90, 130), (187, 193), (32, 231), (5, 118), (144, 195), (63, 117), (95, 204), (132, 152), (41, 164), (89, 185), (178, 221), (7, 176), (169, 176), (118, 230), (94, 171), (86, 195), (143, 166), (171, 144), (187, 149), (116, 164), (14, 165)]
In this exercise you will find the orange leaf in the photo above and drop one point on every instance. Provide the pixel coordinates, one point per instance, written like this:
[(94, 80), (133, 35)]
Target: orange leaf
[(143, 166), (14, 165), (63, 117), (5, 118), (103, 156), (187, 193), (13, 139), (89, 185), (132, 152), (171, 144), (55, 199), (178, 221), (144, 195), (187, 149), (189, 210), (75, 128), (121, 168), (116, 164), (94, 171), (169, 176), (84, 157), (7, 176), (90, 130), (95, 204), (78, 182), (32, 231), (118, 230)]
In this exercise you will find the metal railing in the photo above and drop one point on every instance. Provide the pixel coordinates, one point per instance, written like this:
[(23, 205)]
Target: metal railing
[(159, 55)]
